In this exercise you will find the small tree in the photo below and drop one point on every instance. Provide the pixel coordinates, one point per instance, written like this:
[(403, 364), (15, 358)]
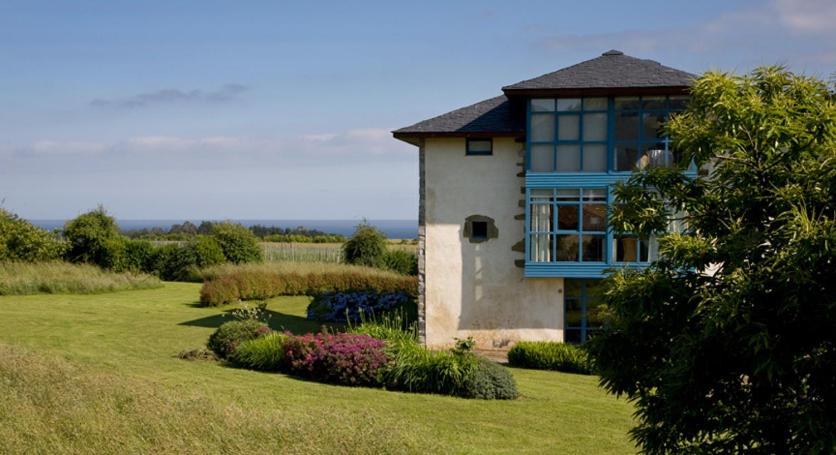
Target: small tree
[(94, 238), (367, 246), (22, 241), (237, 242), (728, 342)]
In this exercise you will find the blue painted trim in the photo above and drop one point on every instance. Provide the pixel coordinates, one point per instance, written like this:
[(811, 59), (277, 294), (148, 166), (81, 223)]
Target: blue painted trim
[(575, 269)]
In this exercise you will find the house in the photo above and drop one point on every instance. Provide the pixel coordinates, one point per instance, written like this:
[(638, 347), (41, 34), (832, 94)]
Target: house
[(514, 190)]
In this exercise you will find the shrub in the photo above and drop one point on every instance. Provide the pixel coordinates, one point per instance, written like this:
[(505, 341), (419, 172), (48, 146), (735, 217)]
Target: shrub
[(395, 327), (259, 284), (139, 255), (238, 243), (544, 355), (94, 238), (183, 262), (366, 246), (342, 358), (21, 241), (265, 353), (490, 381), (20, 278), (229, 335), (414, 368), (197, 354), (400, 261), (352, 306)]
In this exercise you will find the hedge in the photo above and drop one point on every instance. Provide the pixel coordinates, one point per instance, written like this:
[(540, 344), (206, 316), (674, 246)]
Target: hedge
[(545, 355)]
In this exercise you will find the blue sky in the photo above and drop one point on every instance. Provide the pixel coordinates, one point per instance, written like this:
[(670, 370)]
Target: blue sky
[(176, 109)]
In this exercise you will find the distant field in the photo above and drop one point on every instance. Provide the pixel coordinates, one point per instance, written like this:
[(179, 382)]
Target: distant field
[(317, 252)]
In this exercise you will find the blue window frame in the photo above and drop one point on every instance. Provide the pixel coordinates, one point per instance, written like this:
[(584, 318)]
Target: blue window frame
[(639, 139), (567, 225), (582, 305), (479, 146)]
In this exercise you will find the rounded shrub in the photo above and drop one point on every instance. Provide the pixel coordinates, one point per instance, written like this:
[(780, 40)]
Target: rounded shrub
[(400, 261), (94, 238), (265, 353), (546, 355), (206, 251), (353, 306), (139, 255), (490, 381), (342, 358), (230, 335), (239, 244), (367, 246), (22, 241)]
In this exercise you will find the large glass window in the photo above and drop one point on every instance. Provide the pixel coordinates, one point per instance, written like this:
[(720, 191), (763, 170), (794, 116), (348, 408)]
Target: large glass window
[(568, 135), (582, 309), (640, 139), (568, 225)]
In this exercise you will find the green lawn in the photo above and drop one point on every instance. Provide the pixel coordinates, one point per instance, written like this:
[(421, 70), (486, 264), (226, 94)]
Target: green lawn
[(99, 373)]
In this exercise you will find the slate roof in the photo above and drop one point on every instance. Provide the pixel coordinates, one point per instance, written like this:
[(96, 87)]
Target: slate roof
[(612, 69), (502, 115), (489, 116)]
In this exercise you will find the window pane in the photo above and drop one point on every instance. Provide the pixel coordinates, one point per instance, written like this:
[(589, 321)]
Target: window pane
[(542, 158), (594, 217), (541, 195), (479, 145), (626, 157), (595, 127), (627, 126), (653, 102), (569, 104), (594, 157), (655, 155), (594, 304), (568, 158), (595, 194), (542, 128), (678, 103), (572, 311), (567, 248), (568, 194), (643, 256), (568, 127), (541, 218), (625, 249), (572, 336), (595, 104), (567, 217), (593, 248), (542, 104), (627, 102), (540, 248), (653, 126)]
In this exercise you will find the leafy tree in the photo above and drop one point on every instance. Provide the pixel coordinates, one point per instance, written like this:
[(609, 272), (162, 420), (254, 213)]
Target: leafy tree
[(728, 342), (21, 241), (367, 246), (238, 243), (94, 238)]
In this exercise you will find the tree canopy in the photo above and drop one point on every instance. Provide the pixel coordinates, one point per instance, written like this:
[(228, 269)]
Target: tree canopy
[(728, 341)]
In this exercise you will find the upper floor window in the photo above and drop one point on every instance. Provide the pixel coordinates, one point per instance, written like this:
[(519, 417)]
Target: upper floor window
[(599, 134), (568, 135), (479, 146)]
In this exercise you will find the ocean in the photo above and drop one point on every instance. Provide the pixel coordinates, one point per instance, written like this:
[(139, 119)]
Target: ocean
[(394, 229)]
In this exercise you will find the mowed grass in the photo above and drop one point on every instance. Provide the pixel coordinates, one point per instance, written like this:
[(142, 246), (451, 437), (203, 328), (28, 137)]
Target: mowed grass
[(99, 374)]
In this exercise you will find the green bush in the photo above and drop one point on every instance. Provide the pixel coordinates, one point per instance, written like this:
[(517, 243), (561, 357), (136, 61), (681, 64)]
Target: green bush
[(94, 239), (246, 284), (182, 262), (490, 381), (400, 261), (265, 353), (21, 241), (230, 335), (545, 355), (367, 246), (414, 368), (139, 255), (239, 244)]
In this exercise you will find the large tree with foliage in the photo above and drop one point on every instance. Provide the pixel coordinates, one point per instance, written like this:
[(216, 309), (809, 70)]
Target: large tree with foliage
[(728, 342)]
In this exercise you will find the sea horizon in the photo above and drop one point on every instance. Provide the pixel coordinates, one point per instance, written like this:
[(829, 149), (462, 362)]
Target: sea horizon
[(392, 228)]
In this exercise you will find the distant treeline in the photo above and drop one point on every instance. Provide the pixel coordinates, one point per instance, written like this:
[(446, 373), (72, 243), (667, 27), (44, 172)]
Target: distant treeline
[(187, 230)]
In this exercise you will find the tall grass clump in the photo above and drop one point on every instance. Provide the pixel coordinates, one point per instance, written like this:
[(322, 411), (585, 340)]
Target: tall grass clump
[(396, 327), (20, 278), (265, 353), (547, 355)]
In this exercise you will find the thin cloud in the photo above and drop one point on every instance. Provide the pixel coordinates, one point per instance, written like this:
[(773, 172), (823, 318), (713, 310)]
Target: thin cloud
[(223, 94)]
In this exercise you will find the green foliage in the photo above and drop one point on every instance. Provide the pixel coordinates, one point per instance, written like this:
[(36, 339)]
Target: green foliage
[(94, 239), (21, 278), (394, 327), (260, 284), (238, 243), (403, 262), (265, 353), (21, 241), (728, 342), (366, 246), (181, 262), (230, 335), (140, 255), (545, 355), (490, 381)]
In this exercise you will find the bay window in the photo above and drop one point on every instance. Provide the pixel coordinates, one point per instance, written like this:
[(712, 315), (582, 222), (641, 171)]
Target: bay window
[(568, 225)]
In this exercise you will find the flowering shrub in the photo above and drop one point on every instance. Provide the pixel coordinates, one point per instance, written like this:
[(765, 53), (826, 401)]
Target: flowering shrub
[(352, 306), (342, 358)]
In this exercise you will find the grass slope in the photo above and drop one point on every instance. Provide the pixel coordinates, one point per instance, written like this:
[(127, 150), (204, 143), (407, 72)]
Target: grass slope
[(102, 371), (20, 278)]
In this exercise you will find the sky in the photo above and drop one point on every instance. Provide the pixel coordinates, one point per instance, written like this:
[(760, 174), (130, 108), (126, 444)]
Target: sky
[(272, 110)]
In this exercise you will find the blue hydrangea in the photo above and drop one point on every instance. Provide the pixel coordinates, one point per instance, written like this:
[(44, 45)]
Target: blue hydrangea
[(349, 306)]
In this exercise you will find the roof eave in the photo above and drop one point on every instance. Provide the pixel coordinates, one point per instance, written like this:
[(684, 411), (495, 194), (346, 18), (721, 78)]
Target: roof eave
[(414, 137), (597, 91)]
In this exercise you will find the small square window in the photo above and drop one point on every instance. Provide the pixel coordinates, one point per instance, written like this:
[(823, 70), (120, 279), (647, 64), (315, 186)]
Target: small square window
[(480, 146), (479, 230)]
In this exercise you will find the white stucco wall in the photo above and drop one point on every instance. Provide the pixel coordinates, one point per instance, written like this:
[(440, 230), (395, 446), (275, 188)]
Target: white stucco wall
[(474, 289)]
